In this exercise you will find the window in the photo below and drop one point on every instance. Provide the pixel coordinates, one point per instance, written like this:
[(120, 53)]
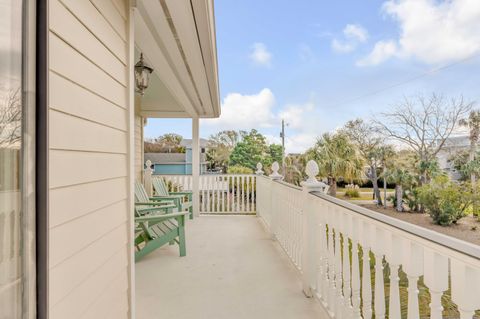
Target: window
[(17, 224)]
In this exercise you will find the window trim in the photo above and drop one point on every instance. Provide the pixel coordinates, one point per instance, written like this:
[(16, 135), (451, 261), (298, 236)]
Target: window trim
[(41, 158)]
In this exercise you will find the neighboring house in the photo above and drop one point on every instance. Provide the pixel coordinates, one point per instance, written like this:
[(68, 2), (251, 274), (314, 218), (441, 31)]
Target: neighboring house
[(67, 203), (453, 145), (174, 163), (178, 163)]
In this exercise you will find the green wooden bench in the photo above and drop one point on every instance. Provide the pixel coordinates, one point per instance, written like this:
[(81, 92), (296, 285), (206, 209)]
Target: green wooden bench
[(183, 200), (155, 228), (142, 200)]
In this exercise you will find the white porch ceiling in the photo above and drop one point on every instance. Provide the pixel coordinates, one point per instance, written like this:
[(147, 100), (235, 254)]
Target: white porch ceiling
[(177, 38)]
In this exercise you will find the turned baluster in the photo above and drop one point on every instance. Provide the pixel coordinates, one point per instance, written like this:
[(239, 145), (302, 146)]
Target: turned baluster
[(339, 302), (394, 258), (465, 287), (331, 263), (366, 234), (436, 279), (413, 267), (379, 292), (354, 231), (347, 290)]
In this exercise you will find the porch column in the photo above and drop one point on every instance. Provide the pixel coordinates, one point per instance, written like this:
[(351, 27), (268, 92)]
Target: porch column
[(196, 166)]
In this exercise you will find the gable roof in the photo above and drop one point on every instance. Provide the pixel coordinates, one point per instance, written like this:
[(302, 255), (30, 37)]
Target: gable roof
[(187, 142), (165, 158)]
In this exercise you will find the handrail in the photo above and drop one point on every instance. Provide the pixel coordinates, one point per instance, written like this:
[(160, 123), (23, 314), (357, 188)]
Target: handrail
[(458, 245)]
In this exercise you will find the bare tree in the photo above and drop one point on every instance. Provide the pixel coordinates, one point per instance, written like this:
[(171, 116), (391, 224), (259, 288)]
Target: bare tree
[(370, 144), (424, 124), (11, 119)]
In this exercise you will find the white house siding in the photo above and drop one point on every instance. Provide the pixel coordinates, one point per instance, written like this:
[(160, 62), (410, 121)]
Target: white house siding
[(138, 147), (88, 118)]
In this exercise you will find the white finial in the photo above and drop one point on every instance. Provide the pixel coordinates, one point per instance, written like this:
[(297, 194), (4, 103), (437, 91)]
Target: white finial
[(312, 171), (259, 169), (275, 168), (148, 163)]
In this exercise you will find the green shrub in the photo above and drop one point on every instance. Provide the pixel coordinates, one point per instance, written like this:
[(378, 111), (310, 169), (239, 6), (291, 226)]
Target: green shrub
[(412, 199), (238, 169), (352, 193), (444, 200), (393, 200)]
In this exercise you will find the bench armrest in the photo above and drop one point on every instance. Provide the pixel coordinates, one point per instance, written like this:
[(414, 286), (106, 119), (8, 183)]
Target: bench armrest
[(158, 218)]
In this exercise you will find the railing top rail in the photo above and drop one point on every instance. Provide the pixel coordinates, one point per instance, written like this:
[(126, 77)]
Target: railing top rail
[(175, 175), (455, 244), (289, 185)]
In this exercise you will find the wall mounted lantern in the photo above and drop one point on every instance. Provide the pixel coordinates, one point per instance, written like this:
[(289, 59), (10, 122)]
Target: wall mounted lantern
[(142, 75)]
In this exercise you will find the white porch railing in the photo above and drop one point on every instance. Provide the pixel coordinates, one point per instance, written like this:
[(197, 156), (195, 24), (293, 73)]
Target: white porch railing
[(361, 264), (220, 194), (10, 254)]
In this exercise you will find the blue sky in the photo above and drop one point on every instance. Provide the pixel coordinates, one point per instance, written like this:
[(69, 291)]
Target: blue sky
[(318, 63)]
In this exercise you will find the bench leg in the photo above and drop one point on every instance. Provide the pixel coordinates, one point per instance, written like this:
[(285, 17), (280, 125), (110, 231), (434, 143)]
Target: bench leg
[(181, 241)]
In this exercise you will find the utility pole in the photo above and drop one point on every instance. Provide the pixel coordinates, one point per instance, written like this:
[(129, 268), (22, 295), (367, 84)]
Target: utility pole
[(282, 135)]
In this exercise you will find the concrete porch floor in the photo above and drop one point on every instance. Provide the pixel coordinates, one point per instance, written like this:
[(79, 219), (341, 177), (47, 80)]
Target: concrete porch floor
[(232, 270)]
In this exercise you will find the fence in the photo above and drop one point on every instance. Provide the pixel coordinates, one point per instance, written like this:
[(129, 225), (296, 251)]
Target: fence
[(219, 194), (359, 263)]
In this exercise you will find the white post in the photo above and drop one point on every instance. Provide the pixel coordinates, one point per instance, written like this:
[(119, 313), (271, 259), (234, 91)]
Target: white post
[(196, 166), (259, 169), (147, 178), (309, 264), (275, 176)]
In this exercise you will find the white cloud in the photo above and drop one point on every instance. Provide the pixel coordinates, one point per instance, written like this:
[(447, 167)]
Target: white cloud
[(260, 54), (354, 34), (382, 51), (257, 111), (431, 31), (245, 112), (295, 143), (342, 47), (294, 115)]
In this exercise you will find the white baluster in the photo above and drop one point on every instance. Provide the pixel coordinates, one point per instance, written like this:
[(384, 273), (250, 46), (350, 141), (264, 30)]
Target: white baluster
[(413, 267), (347, 290), (242, 198), (229, 180), (238, 194), (465, 287), (248, 193), (323, 280), (339, 302), (436, 279), (254, 193), (378, 251), (331, 264), (366, 234), (354, 231), (217, 192), (204, 193), (394, 255)]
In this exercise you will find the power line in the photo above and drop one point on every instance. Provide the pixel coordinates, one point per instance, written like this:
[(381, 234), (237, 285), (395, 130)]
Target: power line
[(417, 77)]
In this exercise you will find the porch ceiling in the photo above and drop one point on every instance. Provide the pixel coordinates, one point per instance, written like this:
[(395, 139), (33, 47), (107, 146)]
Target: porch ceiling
[(177, 38)]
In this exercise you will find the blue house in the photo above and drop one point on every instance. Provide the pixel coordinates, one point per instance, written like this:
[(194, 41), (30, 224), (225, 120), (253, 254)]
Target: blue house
[(178, 163)]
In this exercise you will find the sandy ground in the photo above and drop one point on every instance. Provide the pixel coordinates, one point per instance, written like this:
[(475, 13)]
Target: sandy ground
[(467, 228)]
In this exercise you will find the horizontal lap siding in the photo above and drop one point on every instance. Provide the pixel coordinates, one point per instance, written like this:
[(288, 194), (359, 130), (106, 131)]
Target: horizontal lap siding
[(88, 137), (138, 148)]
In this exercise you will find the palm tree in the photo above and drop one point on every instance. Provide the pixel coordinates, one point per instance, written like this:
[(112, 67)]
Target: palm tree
[(337, 158), (401, 177), (473, 125), (170, 141)]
